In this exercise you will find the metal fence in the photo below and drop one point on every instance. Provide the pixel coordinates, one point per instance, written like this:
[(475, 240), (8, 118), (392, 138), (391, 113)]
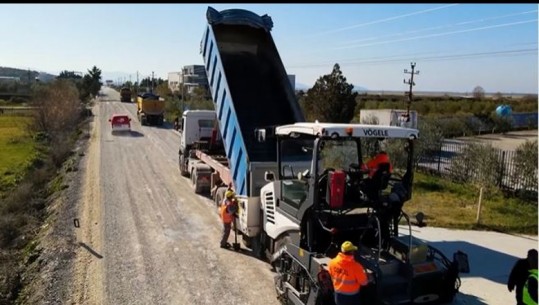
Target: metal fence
[(8, 110), (508, 178)]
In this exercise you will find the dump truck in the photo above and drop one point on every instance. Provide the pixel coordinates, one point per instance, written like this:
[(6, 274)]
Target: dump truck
[(125, 95), (150, 109), (300, 186)]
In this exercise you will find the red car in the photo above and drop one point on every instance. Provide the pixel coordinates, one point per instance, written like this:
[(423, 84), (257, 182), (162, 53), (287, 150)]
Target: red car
[(120, 122)]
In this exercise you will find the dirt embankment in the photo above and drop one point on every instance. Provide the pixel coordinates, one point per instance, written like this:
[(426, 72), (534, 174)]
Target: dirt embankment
[(63, 239)]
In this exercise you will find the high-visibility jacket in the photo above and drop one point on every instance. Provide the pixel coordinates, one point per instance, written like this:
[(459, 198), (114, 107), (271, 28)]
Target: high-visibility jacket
[(526, 296), (347, 275), (226, 216), (372, 165)]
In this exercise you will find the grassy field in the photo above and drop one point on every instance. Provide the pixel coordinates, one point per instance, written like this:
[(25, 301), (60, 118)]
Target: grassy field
[(452, 205), (16, 150)]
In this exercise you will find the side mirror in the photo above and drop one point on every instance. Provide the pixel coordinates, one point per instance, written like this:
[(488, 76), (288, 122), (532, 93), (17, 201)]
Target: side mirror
[(110, 120), (129, 119), (269, 176), (260, 135)]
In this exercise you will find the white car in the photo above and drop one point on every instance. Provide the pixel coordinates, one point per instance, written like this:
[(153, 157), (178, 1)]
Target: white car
[(120, 122)]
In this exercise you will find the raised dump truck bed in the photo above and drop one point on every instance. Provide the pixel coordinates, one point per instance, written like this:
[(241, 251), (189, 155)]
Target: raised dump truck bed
[(250, 88)]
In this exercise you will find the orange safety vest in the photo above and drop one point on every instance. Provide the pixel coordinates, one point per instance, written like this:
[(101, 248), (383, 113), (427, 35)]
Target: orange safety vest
[(225, 215), (380, 158), (347, 275)]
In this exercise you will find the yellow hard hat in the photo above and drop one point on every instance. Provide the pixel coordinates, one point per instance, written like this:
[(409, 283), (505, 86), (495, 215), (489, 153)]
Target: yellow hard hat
[(229, 194), (348, 246)]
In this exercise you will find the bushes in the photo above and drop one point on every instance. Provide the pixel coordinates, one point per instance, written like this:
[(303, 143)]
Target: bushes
[(477, 163), (10, 228), (58, 108), (525, 171)]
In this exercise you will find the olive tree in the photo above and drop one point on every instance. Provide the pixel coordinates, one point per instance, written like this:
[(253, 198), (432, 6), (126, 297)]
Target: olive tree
[(524, 174)]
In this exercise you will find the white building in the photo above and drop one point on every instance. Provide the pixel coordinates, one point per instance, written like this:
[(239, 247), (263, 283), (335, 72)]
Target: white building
[(194, 76), (174, 80)]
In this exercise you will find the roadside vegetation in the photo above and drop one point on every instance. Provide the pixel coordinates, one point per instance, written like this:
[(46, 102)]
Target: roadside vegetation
[(454, 205), (18, 150), (35, 147)]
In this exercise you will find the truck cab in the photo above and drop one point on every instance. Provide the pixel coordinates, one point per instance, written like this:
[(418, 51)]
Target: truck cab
[(196, 126), (199, 134)]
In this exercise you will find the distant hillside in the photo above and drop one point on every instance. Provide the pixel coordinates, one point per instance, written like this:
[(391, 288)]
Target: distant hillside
[(25, 75)]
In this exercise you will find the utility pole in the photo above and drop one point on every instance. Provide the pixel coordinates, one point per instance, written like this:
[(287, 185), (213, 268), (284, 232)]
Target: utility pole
[(151, 90), (411, 83)]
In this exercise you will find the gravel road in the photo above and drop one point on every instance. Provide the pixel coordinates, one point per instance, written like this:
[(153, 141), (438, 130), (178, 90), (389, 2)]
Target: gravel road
[(146, 237)]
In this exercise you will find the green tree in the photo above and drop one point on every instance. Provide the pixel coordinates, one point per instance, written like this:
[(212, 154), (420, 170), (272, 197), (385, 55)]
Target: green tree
[(68, 75), (163, 89), (525, 171), (95, 84), (477, 163), (331, 99), (147, 82), (200, 98), (500, 124), (430, 139)]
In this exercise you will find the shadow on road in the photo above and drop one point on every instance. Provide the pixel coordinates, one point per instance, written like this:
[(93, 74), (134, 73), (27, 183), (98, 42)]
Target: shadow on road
[(90, 250), (467, 299), (484, 263), (132, 134), (166, 125), (136, 134), (243, 251)]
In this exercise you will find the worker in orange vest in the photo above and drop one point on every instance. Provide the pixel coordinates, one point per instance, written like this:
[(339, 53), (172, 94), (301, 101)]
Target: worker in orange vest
[(227, 210), (347, 276), (379, 158)]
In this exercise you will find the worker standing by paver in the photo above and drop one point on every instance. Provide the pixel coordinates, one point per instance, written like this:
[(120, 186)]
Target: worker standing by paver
[(347, 276), (227, 211)]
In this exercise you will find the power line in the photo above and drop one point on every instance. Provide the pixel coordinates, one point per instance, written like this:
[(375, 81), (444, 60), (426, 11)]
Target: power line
[(436, 34), (517, 52), (436, 27), (384, 20)]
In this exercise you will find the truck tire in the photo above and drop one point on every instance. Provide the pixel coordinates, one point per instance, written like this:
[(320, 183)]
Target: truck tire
[(196, 186), (257, 247), (182, 166)]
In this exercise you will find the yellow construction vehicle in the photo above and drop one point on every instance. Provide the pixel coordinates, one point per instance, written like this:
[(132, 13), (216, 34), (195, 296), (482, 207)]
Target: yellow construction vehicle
[(150, 109)]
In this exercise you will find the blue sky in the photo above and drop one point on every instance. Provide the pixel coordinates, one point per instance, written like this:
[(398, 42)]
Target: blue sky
[(455, 46)]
